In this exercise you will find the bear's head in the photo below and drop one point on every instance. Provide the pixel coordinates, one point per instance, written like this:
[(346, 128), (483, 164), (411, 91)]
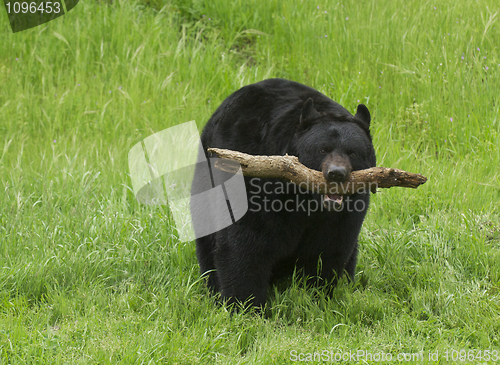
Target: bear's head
[(334, 142)]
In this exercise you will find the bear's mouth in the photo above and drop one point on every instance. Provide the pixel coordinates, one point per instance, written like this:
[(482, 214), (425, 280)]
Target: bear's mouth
[(335, 199)]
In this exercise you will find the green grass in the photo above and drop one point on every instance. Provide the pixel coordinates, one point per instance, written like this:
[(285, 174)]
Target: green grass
[(87, 275)]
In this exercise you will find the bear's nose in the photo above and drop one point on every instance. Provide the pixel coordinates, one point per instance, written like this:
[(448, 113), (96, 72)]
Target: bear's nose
[(336, 173)]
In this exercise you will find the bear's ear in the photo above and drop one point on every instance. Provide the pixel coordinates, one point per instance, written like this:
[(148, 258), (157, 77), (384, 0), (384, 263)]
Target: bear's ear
[(363, 114), (308, 113)]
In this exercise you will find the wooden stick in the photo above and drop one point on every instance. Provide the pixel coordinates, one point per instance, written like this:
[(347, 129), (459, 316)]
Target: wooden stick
[(289, 168)]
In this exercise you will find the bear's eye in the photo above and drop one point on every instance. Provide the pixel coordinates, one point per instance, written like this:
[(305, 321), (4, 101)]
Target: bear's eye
[(323, 151), (352, 154)]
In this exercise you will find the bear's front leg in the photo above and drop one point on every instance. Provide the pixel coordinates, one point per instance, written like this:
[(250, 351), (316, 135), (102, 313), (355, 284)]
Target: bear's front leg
[(243, 267), (247, 252)]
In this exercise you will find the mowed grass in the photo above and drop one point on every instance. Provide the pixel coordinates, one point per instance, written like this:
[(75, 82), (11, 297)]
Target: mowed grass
[(88, 275)]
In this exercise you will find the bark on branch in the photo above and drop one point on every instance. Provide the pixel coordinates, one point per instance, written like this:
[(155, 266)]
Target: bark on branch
[(289, 168)]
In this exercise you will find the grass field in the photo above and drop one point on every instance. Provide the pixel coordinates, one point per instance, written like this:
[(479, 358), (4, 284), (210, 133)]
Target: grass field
[(90, 276)]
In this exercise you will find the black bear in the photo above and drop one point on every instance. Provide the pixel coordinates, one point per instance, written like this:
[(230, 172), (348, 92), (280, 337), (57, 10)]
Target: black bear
[(286, 228)]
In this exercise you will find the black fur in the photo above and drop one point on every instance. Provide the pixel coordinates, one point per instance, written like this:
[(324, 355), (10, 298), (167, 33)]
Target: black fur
[(275, 117)]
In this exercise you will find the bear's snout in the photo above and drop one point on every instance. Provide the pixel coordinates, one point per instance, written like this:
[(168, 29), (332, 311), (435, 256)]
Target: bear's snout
[(336, 167), (336, 173)]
